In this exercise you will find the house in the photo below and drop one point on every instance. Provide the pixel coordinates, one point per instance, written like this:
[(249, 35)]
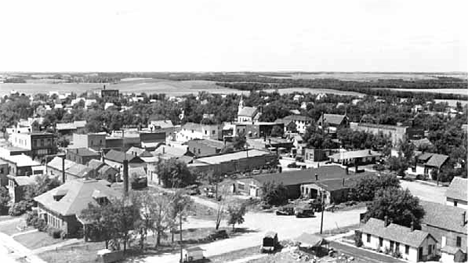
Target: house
[(237, 162), (17, 186), (38, 144), (61, 207), (422, 143), (354, 158), (95, 141), (292, 180), (70, 127), (73, 170), (316, 155), (247, 114), (452, 254), (167, 152), (425, 163), (205, 147), (413, 245), (457, 193), (333, 120), (21, 165), (3, 173), (152, 140), (447, 224), (135, 151), (104, 171), (82, 155), (109, 93), (116, 159), (300, 123)]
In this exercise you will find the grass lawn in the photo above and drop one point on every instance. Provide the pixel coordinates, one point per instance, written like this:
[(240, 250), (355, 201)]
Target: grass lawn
[(76, 253), (5, 217), (36, 240), (9, 228)]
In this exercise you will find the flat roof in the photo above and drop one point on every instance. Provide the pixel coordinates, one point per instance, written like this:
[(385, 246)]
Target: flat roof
[(232, 156)]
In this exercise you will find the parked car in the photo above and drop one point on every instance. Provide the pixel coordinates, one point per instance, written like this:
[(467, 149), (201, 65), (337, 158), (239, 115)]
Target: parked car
[(293, 165), (192, 254), (303, 212), (270, 242), (285, 211), (209, 192), (192, 189), (264, 205)]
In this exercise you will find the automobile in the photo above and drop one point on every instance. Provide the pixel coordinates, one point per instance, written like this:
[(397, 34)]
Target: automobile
[(269, 243), (293, 165), (256, 172), (192, 190), (285, 211), (209, 192), (301, 212), (264, 205)]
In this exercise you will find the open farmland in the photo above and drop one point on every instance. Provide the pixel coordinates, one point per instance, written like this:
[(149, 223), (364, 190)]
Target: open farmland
[(442, 91), (316, 91), (175, 88), (374, 76)]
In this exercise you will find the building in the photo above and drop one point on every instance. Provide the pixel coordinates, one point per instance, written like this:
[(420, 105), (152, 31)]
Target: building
[(317, 155), (95, 141), (109, 93), (73, 170), (300, 123), (333, 120), (139, 152), (82, 155), (116, 158), (152, 140), (3, 173), (22, 165), (447, 224), (17, 186), (61, 207), (394, 132), (70, 127), (247, 114), (104, 171), (205, 147), (191, 131), (238, 162), (38, 144), (293, 180), (254, 130), (413, 245), (457, 193), (354, 158), (167, 152), (425, 163)]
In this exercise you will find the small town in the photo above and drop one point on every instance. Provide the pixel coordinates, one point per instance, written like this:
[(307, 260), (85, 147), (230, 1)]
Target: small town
[(205, 131)]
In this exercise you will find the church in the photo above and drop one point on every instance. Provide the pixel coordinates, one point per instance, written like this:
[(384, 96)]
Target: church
[(247, 114)]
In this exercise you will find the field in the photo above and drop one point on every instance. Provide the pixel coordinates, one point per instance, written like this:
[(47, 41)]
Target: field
[(171, 88), (373, 76), (443, 91), (316, 91)]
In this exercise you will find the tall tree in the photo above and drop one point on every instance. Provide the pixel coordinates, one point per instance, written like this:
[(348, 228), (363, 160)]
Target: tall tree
[(236, 215)]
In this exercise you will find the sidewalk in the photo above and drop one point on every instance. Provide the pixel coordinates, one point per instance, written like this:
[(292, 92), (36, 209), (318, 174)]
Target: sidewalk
[(16, 250), (56, 246)]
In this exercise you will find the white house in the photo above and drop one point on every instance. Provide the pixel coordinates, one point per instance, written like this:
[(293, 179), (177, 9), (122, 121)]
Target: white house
[(191, 131), (413, 245), (457, 193), (247, 114)]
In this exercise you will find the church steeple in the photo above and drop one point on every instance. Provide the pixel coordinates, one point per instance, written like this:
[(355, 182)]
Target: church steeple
[(241, 104)]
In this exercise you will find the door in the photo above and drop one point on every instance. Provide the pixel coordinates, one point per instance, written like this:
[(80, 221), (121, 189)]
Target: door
[(420, 254), (444, 241)]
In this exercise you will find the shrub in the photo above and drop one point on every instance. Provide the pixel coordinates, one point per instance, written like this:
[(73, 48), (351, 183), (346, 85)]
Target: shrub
[(31, 218), (19, 208), (358, 239), (63, 234), (387, 251), (396, 254), (41, 225)]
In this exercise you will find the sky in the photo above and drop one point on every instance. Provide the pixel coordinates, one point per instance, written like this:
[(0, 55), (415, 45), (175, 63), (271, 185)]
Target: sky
[(234, 35)]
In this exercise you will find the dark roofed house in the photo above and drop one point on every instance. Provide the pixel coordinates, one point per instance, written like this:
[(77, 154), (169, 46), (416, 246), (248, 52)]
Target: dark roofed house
[(116, 158), (103, 171), (413, 245), (457, 193), (62, 206), (426, 163), (333, 120), (448, 225), (82, 155)]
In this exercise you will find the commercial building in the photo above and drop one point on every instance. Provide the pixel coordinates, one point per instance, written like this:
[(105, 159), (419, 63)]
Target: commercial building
[(394, 132), (82, 155), (38, 144), (95, 141)]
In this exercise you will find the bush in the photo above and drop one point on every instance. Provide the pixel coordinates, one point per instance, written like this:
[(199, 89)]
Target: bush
[(63, 234), (41, 225), (31, 218), (358, 239), (19, 208), (396, 254)]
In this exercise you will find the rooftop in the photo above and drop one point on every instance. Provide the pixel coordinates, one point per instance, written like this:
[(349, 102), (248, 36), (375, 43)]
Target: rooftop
[(21, 160), (458, 189), (444, 216), (232, 156), (247, 112), (79, 193), (437, 160), (354, 154), (333, 118), (84, 152), (395, 232)]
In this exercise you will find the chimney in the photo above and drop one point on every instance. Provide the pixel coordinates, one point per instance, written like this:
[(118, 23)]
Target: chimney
[(63, 169), (370, 152), (164, 150), (316, 177), (412, 226), (103, 159), (125, 177), (385, 221), (343, 181), (463, 222)]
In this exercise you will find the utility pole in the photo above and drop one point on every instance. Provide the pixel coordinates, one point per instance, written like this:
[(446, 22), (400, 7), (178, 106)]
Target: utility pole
[(323, 210), (180, 239)]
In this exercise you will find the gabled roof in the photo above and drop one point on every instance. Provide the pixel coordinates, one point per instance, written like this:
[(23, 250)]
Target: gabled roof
[(311, 240), (395, 233), (24, 180), (139, 152), (332, 118), (76, 169), (458, 189), (119, 157), (424, 156), (169, 152), (209, 143), (218, 159), (421, 142), (162, 123), (95, 164), (136, 171), (78, 195), (56, 163), (84, 152), (297, 118), (444, 216), (247, 112), (437, 160)]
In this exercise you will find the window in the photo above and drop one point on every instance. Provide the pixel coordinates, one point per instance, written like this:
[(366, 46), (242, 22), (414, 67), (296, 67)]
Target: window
[(213, 132), (380, 241), (406, 249), (459, 241), (391, 245), (206, 132), (368, 238), (241, 186), (397, 246), (429, 249), (455, 203), (42, 142)]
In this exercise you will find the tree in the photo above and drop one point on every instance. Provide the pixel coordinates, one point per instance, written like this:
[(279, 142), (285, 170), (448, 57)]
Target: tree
[(277, 131), (399, 205), (274, 194), (179, 205), (221, 209), (239, 142), (44, 183), (174, 173), (236, 215), (366, 187), (4, 199)]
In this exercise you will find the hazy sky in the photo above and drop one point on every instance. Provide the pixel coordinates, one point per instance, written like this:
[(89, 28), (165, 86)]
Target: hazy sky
[(193, 35)]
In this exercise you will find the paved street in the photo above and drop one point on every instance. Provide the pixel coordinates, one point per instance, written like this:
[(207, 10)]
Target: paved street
[(426, 192)]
